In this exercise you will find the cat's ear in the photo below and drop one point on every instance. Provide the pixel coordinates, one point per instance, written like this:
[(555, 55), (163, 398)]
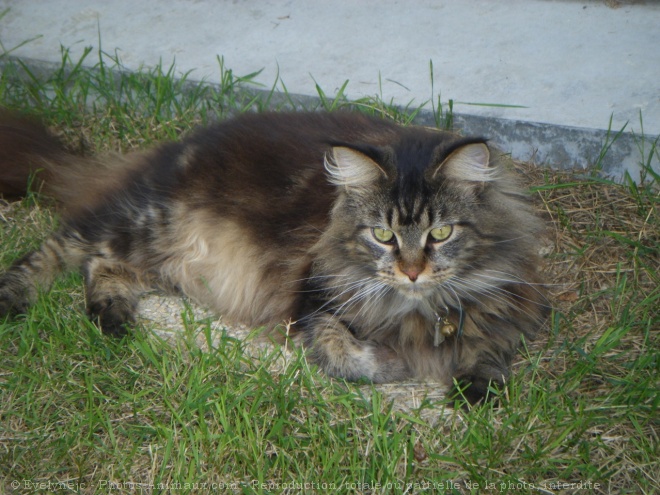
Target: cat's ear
[(352, 169), (467, 163)]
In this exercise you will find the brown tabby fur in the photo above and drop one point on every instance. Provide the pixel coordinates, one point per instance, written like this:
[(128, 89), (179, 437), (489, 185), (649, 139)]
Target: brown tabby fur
[(274, 217)]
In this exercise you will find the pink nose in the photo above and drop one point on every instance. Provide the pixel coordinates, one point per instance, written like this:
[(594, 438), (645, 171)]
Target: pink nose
[(412, 272)]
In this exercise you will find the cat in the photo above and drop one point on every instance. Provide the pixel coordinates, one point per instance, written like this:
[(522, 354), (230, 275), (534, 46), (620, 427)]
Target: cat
[(398, 252)]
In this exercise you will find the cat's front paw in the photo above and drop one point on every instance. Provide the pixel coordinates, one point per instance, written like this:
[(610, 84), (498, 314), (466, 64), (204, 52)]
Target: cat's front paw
[(15, 298), (331, 345), (470, 390), (114, 315)]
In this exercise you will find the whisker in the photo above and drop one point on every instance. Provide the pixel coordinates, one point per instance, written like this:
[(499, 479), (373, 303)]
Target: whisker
[(376, 293), (329, 287), (364, 293), (513, 239), (494, 292), (346, 288), (517, 280), (472, 287)]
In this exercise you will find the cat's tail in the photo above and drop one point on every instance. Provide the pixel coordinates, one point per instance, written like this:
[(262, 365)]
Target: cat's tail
[(33, 159), (26, 149)]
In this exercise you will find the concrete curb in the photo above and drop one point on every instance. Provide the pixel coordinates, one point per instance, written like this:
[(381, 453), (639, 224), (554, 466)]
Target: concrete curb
[(615, 152)]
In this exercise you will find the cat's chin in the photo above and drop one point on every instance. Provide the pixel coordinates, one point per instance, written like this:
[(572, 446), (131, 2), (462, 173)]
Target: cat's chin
[(416, 291)]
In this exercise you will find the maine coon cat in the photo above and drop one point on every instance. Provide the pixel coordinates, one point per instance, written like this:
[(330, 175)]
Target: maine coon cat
[(398, 252)]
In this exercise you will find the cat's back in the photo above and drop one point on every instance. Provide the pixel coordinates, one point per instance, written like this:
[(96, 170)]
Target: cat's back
[(282, 142), (270, 165)]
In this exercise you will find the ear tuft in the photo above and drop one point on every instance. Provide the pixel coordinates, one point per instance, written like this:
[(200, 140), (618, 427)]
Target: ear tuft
[(350, 168), (470, 163)]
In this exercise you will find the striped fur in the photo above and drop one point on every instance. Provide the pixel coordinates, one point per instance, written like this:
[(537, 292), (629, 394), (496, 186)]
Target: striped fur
[(363, 232)]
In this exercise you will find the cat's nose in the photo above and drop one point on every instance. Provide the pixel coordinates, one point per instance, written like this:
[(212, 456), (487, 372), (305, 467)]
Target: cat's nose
[(412, 271)]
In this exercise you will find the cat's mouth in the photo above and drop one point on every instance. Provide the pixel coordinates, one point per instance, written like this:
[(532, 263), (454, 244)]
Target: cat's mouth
[(416, 290)]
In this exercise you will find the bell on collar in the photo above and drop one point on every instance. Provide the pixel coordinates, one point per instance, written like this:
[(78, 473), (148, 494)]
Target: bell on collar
[(443, 329)]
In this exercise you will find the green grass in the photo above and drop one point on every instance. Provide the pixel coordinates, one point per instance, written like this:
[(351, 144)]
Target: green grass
[(83, 413)]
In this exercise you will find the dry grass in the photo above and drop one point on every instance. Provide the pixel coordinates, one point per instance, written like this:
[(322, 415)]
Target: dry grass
[(602, 265), (603, 275), (602, 231), (582, 405)]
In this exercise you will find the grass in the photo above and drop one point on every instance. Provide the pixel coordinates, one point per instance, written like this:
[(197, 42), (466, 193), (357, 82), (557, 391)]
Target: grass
[(208, 412)]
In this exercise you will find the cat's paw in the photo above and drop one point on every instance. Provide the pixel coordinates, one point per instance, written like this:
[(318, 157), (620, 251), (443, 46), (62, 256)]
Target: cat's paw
[(339, 354), (14, 298), (115, 315), (390, 366), (470, 390)]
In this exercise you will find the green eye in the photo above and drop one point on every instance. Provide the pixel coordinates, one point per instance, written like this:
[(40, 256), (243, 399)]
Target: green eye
[(441, 233), (383, 235)]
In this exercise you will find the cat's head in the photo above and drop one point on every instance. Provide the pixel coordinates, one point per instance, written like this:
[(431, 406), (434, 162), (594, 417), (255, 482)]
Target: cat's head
[(429, 214)]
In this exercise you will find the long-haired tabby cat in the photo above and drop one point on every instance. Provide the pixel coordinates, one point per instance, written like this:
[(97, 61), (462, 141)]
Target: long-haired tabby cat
[(399, 252)]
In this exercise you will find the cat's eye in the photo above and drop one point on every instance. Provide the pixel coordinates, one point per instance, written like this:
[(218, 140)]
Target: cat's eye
[(440, 234), (383, 235)]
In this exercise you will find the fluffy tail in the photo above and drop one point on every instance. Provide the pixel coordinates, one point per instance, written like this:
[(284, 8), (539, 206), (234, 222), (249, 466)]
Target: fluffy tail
[(26, 146), (33, 159)]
